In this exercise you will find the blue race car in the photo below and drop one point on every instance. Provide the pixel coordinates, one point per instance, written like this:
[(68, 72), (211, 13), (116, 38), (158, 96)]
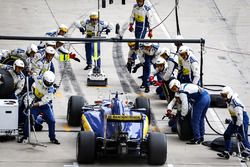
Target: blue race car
[(111, 127)]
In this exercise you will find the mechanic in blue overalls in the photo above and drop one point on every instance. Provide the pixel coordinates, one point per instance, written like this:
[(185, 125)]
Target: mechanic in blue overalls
[(238, 124), (17, 75), (132, 55), (43, 91), (189, 66), (200, 99), (168, 73), (61, 31), (90, 26), (42, 63), (142, 16), (147, 54)]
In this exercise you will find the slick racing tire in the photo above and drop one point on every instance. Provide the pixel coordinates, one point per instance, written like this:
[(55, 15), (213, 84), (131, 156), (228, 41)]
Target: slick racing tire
[(85, 147), (217, 101), (74, 111), (143, 102), (184, 128), (157, 148), (6, 84)]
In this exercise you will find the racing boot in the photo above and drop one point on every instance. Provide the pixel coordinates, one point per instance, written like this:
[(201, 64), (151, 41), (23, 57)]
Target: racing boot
[(224, 154), (54, 141), (194, 141), (22, 139), (147, 89), (142, 86), (89, 66)]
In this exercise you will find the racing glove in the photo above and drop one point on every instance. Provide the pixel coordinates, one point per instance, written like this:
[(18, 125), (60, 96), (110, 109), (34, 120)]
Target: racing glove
[(157, 83), (169, 113), (131, 29), (73, 56), (151, 78), (82, 30), (150, 33), (136, 67)]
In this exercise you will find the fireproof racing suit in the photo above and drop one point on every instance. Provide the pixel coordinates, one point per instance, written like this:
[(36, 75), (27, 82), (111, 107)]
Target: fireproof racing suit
[(200, 100), (142, 17), (44, 96), (92, 31), (239, 123), (18, 79), (190, 69), (148, 57)]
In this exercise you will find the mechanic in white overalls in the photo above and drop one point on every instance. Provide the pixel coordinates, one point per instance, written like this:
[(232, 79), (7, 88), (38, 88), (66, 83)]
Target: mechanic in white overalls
[(43, 91), (132, 55), (90, 27), (27, 55), (189, 66), (147, 54), (238, 124), (17, 75), (200, 99), (61, 31), (142, 17)]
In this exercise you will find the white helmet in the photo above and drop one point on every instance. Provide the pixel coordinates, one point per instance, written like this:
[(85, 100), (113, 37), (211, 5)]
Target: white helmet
[(93, 15), (227, 92), (183, 49), (174, 82), (32, 48), (50, 43), (147, 44), (48, 78), (60, 36), (50, 50), (160, 60), (63, 28), (165, 51), (18, 63)]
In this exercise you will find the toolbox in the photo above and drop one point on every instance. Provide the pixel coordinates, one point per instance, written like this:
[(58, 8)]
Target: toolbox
[(8, 115)]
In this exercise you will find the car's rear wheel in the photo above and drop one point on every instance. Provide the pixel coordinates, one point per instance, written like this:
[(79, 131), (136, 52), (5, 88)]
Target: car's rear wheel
[(157, 148), (143, 102), (85, 147), (74, 111)]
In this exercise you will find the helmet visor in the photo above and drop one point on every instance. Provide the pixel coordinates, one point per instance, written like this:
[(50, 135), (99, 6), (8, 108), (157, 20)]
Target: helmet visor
[(46, 83)]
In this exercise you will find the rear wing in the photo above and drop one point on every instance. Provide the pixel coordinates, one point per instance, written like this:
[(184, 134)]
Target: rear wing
[(124, 118)]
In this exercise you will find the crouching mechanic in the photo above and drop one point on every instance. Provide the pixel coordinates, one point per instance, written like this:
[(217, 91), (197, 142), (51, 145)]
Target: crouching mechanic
[(43, 91), (147, 54), (200, 101), (239, 123), (132, 55), (17, 75)]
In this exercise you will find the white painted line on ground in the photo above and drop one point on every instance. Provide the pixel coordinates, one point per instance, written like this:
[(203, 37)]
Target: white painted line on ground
[(158, 19), (217, 120), (75, 164), (170, 165)]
